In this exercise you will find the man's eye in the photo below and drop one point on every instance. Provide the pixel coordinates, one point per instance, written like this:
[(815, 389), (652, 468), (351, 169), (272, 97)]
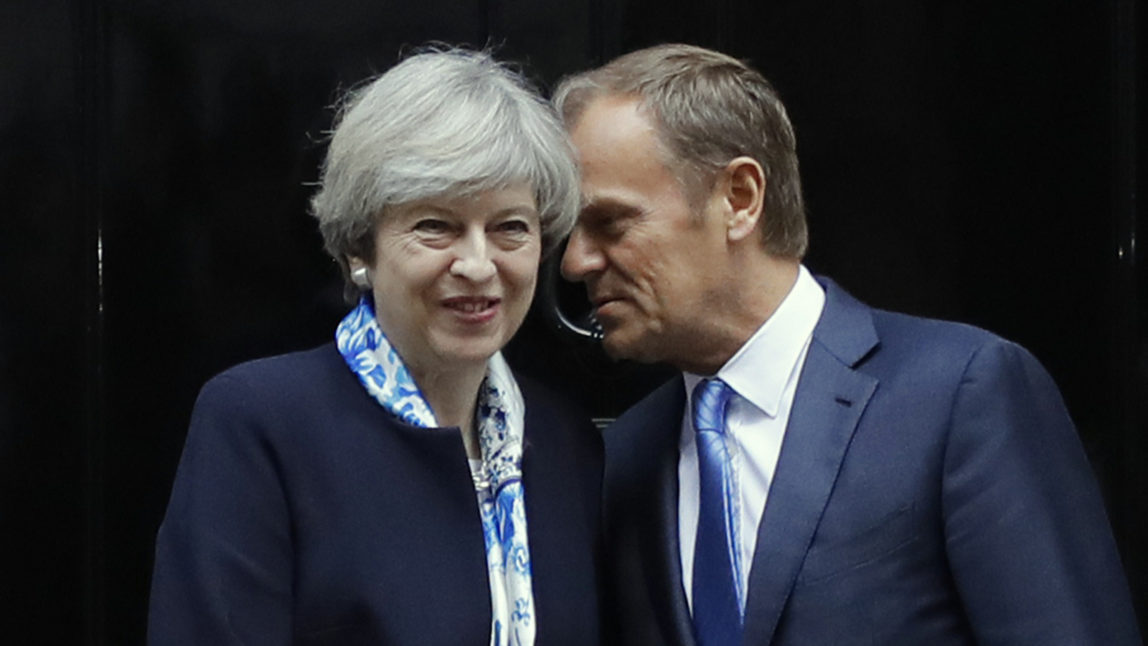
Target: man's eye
[(606, 223)]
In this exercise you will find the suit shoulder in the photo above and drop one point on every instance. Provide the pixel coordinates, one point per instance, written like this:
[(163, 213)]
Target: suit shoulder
[(897, 326), (546, 398), (284, 365), (289, 386), (558, 415), (949, 339), (937, 347), (647, 423), (844, 315), (283, 375)]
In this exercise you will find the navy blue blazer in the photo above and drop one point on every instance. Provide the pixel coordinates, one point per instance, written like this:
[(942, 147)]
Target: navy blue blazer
[(931, 491), (302, 513)]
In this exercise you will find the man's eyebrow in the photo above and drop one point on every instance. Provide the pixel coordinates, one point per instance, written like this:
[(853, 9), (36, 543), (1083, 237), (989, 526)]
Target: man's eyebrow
[(608, 207)]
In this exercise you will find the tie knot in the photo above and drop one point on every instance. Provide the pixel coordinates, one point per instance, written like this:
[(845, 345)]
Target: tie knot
[(709, 403)]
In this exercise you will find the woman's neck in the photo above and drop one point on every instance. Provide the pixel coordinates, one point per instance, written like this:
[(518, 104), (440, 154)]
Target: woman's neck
[(452, 396)]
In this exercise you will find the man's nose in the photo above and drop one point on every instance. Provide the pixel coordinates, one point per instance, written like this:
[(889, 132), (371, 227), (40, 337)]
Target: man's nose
[(582, 257)]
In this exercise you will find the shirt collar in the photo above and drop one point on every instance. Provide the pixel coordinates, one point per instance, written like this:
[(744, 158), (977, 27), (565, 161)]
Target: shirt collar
[(764, 364)]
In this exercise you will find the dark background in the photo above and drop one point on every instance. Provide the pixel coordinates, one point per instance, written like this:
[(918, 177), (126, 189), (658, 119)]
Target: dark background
[(975, 161)]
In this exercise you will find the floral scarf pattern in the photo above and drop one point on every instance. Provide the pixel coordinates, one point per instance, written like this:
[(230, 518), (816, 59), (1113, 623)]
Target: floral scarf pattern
[(500, 420)]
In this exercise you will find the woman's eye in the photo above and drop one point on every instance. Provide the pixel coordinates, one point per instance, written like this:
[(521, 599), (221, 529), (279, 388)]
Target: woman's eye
[(429, 225), (514, 226)]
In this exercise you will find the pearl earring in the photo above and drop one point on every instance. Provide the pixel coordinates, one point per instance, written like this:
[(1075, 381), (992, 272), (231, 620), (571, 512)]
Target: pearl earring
[(360, 278)]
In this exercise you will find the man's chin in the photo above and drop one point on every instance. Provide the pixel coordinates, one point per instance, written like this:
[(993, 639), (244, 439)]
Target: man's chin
[(614, 345), (619, 346), (612, 349)]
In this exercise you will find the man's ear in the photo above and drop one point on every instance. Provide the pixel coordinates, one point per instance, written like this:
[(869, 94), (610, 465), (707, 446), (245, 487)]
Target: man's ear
[(743, 185)]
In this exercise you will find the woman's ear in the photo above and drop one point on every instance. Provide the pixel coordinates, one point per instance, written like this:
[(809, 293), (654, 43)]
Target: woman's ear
[(744, 187)]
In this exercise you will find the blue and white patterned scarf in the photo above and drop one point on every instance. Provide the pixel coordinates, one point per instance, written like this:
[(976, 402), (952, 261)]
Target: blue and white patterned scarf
[(500, 420)]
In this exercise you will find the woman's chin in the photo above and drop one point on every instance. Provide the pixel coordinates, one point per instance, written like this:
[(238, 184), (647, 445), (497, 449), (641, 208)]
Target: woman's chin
[(468, 351)]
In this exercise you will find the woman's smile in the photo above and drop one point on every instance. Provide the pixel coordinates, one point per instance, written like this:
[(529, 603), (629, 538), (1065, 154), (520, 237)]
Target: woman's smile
[(473, 309), (455, 276)]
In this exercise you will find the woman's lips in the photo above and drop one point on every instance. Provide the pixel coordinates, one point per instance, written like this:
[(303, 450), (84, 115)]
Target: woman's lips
[(473, 309)]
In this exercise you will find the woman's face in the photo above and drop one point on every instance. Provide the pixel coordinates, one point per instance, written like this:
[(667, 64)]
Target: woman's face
[(454, 276)]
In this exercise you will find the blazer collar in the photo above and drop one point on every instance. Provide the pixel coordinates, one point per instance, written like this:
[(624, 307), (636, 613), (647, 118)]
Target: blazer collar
[(846, 326), (830, 398)]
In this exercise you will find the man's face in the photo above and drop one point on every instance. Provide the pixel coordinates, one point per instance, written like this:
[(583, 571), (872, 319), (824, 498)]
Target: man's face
[(651, 265)]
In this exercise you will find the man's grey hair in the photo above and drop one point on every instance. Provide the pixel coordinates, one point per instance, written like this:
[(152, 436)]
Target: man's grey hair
[(706, 108), (440, 123)]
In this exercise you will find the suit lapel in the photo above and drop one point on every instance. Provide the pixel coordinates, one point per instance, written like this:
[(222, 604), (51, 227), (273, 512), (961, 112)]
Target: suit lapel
[(663, 559), (827, 406)]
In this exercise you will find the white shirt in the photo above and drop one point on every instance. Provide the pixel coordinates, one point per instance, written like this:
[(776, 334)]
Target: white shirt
[(763, 374)]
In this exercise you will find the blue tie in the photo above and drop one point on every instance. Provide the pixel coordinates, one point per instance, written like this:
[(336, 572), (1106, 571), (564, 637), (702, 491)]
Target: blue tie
[(717, 612)]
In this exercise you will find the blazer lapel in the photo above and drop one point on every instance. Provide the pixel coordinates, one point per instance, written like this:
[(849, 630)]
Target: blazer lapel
[(830, 399)]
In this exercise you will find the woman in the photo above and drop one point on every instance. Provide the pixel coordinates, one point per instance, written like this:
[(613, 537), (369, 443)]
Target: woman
[(401, 486)]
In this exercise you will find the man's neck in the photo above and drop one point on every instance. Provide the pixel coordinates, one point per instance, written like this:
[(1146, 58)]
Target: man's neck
[(758, 288)]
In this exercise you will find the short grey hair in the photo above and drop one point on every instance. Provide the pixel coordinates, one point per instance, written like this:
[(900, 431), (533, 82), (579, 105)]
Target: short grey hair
[(441, 123), (707, 108)]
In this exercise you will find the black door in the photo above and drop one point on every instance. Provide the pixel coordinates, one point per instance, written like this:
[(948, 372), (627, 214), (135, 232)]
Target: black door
[(974, 161)]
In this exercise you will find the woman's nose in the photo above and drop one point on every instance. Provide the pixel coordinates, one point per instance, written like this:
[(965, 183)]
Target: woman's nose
[(473, 261)]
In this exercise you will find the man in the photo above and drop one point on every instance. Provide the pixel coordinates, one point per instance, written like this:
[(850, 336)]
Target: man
[(855, 476)]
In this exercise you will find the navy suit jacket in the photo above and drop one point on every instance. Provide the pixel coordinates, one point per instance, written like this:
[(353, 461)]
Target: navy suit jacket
[(303, 513), (931, 490)]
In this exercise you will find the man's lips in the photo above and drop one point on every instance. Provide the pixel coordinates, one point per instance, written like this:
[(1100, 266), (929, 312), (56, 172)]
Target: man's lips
[(602, 305), (599, 301)]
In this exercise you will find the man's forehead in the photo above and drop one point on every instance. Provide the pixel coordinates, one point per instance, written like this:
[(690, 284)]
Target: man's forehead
[(611, 116)]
